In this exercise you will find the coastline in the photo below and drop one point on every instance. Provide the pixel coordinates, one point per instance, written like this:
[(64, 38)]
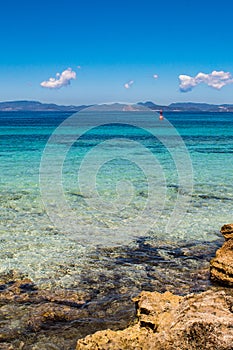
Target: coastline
[(57, 318), (167, 321)]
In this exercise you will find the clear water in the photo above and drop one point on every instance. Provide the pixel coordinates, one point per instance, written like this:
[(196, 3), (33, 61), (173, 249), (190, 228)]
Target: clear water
[(41, 240)]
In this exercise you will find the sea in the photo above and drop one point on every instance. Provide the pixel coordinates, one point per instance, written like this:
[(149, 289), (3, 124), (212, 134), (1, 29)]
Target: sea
[(114, 202)]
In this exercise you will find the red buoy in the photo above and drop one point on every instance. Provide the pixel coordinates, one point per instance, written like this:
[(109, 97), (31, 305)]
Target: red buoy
[(161, 115)]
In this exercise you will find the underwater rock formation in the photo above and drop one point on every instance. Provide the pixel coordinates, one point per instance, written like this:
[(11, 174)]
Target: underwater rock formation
[(33, 318), (221, 267), (169, 322), (25, 309)]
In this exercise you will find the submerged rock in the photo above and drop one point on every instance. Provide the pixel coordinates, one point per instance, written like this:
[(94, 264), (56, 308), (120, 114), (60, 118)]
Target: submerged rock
[(35, 317), (32, 318), (169, 322), (221, 267), (25, 310)]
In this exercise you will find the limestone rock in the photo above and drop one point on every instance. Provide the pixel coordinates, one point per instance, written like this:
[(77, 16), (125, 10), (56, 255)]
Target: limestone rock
[(227, 231), (154, 309), (165, 321), (221, 267)]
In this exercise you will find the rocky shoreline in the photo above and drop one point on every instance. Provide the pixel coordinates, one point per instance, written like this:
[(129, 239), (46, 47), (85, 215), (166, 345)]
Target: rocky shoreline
[(32, 318), (221, 267), (170, 322)]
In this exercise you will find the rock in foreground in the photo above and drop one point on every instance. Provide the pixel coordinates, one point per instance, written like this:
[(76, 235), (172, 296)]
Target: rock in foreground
[(227, 231), (221, 267), (170, 322)]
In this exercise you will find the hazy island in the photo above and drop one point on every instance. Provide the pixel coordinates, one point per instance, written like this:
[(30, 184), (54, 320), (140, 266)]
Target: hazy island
[(11, 106)]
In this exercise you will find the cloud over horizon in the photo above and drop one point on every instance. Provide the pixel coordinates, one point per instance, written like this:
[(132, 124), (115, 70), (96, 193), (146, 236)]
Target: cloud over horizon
[(216, 79), (128, 85), (62, 79)]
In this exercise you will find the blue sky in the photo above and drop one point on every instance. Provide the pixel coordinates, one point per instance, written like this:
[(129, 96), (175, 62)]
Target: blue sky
[(109, 44)]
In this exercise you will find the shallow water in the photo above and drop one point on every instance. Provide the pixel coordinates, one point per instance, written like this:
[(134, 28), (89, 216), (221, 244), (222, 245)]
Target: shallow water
[(115, 242)]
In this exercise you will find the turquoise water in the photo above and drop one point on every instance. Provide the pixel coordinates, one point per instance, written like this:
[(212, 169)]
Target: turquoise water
[(119, 184)]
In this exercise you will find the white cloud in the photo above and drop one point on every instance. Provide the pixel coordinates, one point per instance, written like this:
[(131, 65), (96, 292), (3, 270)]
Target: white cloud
[(216, 79), (128, 85), (155, 76), (187, 83), (62, 79)]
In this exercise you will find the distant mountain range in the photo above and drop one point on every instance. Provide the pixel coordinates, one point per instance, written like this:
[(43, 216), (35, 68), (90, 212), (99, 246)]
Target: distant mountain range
[(37, 106), (173, 107), (189, 107)]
